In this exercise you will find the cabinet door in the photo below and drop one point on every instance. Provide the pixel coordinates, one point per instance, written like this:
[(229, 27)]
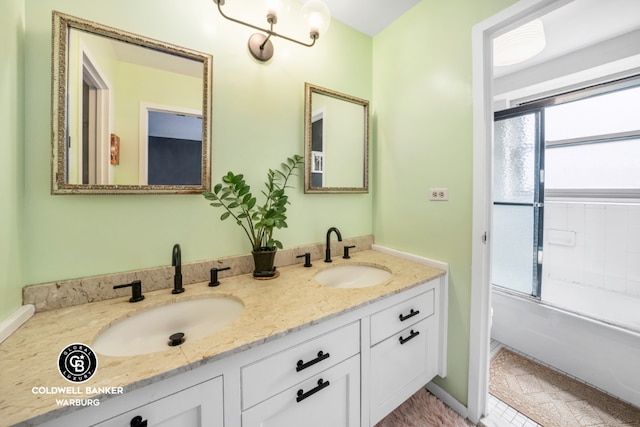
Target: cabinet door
[(400, 366), (331, 398), (197, 406)]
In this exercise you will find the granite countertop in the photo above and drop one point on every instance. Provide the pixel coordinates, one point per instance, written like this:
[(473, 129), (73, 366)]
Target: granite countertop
[(272, 308)]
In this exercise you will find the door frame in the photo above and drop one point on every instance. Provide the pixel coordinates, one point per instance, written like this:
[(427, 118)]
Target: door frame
[(480, 316)]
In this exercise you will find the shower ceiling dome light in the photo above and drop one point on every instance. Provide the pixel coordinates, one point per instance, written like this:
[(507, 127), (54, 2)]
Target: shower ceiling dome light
[(519, 44), (315, 12)]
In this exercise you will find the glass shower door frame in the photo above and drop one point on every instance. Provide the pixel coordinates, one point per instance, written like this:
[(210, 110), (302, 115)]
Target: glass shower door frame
[(537, 204)]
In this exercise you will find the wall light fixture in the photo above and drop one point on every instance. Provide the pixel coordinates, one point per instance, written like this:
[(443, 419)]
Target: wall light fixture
[(315, 12)]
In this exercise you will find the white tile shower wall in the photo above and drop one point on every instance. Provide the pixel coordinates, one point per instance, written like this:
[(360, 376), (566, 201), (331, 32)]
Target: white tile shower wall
[(606, 250)]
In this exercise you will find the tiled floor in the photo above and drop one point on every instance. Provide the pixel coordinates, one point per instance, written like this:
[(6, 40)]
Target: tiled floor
[(501, 414)]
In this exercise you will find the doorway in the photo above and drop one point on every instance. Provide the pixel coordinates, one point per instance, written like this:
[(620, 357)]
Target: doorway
[(93, 150), (485, 86), (317, 148)]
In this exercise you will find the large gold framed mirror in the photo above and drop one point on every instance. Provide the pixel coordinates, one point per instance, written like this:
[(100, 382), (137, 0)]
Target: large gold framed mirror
[(336, 142), (129, 114)]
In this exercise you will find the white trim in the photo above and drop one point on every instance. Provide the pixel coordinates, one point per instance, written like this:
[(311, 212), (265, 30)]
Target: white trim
[(411, 257), (15, 320), (102, 123), (449, 400), (480, 317)]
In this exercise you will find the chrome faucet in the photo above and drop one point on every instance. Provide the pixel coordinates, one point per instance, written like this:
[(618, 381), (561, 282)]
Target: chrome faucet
[(328, 251), (176, 262)]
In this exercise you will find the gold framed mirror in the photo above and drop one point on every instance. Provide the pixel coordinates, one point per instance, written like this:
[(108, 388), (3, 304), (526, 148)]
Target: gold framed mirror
[(130, 115), (336, 142)]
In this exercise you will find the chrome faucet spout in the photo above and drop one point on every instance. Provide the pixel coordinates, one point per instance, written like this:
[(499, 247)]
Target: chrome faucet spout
[(327, 257), (176, 261)]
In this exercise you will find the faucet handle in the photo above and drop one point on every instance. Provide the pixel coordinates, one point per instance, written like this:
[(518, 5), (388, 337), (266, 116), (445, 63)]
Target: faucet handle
[(307, 259), (136, 290), (346, 251), (214, 275)]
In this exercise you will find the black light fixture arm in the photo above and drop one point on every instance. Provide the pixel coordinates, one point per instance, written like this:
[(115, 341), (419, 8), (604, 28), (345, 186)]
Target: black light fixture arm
[(313, 35)]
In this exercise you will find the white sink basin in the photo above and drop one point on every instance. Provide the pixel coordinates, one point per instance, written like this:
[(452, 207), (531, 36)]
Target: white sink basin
[(149, 331), (353, 276)]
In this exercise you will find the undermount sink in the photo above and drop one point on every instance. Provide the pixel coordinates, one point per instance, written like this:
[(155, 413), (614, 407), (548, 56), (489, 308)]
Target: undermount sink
[(149, 331), (353, 276)]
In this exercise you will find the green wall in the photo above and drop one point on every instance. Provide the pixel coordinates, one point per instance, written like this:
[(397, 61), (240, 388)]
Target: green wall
[(423, 134), (12, 23), (257, 122)]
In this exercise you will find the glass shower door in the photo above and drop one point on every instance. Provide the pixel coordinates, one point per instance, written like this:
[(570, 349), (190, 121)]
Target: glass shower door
[(517, 202)]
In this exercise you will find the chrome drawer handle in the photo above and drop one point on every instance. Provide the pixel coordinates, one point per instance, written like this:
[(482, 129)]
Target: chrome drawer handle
[(410, 315), (302, 365), (411, 336), (302, 395)]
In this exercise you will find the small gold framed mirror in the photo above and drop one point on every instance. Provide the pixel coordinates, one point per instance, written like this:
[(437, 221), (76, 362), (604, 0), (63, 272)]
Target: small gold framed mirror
[(336, 142)]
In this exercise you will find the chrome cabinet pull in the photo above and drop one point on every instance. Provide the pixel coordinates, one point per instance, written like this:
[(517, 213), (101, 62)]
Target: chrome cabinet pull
[(410, 315), (302, 395), (302, 365), (411, 336)]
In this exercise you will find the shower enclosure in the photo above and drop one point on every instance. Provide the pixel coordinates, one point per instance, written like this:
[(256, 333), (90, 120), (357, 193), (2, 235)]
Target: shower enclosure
[(517, 201), (566, 193), (565, 234)]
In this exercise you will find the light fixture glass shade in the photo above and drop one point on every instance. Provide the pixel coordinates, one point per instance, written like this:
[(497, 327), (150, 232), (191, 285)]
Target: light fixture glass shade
[(519, 44), (317, 15), (277, 7)]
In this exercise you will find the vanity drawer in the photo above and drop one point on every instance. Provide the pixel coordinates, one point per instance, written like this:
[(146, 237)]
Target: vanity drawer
[(400, 366), (271, 375), (329, 399), (393, 319)]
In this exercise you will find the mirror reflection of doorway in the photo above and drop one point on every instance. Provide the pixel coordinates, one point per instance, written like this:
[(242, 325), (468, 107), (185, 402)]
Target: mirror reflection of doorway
[(174, 148), (317, 149), (93, 150)]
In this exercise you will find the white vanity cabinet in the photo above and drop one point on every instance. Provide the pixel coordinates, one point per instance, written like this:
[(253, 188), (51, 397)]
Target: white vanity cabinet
[(200, 405), (346, 370), (404, 352), (181, 401), (314, 383), (330, 398)]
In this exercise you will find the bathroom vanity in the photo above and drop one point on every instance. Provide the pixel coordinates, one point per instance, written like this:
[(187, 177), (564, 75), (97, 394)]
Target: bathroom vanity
[(299, 354)]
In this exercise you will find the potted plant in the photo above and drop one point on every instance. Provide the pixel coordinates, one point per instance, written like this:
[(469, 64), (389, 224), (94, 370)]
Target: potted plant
[(257, 220)]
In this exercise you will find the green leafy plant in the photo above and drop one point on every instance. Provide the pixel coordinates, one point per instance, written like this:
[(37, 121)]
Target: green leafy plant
[(257, 221)]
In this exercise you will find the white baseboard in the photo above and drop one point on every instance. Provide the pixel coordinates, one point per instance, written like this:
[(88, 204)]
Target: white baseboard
[(411, 257), (449, 400), (15, 320)]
